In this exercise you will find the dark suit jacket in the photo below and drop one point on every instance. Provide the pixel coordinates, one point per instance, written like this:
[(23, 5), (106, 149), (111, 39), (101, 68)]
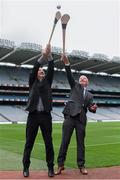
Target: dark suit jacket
[(77, 104), (40, 89)]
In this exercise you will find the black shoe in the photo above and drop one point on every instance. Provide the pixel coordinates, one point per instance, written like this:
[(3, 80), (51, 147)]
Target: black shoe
[(51, 172), (26, 172)]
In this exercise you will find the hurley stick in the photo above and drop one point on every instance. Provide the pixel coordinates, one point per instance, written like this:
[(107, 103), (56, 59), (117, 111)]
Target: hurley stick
[(64, 20), (57, 17)]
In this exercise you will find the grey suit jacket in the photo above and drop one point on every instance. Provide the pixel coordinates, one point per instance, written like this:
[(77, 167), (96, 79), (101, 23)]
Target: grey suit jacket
[(77, 104)]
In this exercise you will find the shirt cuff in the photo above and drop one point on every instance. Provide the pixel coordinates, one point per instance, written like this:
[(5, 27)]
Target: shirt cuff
[(67, 64), (40, 59), (50, 58)]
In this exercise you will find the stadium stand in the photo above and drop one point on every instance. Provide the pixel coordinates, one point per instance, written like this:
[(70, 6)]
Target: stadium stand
[(105, 114), (12, 75), (14, 89), (11, 113)]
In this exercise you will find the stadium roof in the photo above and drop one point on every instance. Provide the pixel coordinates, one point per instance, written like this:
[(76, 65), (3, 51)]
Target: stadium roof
[(27, 53)]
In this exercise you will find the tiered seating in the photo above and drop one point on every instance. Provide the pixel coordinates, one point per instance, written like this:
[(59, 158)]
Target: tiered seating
[(13, 114), (105, 114), (18, 114), (16, 76), (20, 76)]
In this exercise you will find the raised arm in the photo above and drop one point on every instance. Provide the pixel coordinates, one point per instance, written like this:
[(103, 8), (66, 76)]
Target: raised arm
[(39, 63), (33, 74), (68, 71), (50, 69)]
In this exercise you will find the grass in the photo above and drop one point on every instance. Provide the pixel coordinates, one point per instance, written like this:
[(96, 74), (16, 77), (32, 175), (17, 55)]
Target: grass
[(102, 146)]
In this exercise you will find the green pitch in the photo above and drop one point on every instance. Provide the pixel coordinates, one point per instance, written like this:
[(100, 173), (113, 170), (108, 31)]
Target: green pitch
[(102, 146)]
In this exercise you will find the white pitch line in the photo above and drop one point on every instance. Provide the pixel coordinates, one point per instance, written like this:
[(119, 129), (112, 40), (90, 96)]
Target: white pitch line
[(89, 145), (103, 144)]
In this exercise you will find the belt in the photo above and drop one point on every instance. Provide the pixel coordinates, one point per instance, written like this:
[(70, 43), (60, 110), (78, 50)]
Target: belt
[(40, 112)]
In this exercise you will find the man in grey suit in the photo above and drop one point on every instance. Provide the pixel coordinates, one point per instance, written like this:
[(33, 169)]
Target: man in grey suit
[(75, 118)]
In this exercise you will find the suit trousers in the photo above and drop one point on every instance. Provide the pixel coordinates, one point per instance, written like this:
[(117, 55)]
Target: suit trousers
[(70, 123), (34, 121)]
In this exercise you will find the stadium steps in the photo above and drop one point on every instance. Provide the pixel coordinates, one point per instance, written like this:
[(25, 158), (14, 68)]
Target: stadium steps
[(6, 118)]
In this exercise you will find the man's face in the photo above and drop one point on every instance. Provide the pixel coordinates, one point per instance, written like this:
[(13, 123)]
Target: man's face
[(83, 80), (40, 74)]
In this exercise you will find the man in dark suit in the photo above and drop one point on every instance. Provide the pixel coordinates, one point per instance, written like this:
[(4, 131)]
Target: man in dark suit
[(75, 118), (39, 107)]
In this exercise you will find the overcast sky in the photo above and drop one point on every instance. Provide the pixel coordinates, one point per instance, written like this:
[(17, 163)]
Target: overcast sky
[(94, 25)]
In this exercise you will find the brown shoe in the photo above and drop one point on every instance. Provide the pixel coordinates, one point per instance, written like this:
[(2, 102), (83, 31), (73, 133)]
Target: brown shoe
[(83, 171), (59, 170)]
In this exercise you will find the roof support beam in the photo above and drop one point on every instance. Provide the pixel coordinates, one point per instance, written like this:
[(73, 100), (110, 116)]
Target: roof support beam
[(109, 69), (78, 63), (98, 65), (8, 54), (30, 59)]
